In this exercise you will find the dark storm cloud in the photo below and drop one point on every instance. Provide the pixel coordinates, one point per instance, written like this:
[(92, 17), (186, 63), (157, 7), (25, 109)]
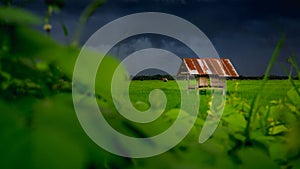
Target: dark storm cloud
[(139, 42), (246, 31)]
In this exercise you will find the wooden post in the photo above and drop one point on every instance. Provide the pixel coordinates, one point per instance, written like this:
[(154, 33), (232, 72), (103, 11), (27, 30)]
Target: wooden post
[(188, 86)]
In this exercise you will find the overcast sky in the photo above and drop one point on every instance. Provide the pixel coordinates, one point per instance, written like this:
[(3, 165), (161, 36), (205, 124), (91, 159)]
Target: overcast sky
[(245, 31)]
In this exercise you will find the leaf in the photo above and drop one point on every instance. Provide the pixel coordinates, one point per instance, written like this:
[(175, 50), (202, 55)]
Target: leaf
[(278, 152), (278, 129), (294, 97), (254, 158), (295, 164), (235, 122), (17, 16), (14, 138), (57, 140), (65, 29), (292, 144), (222, 138), (53, 149)]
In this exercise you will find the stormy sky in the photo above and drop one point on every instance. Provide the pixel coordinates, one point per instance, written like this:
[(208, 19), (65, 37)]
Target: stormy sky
[(245, 31)]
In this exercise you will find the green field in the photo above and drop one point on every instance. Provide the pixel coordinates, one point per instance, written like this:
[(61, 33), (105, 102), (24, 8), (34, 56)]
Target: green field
[(272, 134), (245, 90)]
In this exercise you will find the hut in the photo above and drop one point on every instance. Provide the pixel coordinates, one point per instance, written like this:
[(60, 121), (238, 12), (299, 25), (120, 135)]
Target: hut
[(210, 73)]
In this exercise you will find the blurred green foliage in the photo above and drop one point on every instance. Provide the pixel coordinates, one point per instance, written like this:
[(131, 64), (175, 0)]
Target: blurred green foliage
[(39, 127)]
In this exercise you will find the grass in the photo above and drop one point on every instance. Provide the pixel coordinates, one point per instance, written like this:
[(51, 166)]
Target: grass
[(245, 89), (268, 131), (139, 91)]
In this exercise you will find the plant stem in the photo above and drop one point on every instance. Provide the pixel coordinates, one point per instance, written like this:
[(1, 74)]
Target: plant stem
[(291, 80), (88, 11), (257, 96)]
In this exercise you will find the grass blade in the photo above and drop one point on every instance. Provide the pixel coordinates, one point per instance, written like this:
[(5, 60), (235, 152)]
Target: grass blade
[(291, 79), (293, 61), (262, 86)]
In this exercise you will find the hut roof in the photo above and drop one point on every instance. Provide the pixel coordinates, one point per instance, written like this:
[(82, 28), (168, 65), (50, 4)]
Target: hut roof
[(209, 66)]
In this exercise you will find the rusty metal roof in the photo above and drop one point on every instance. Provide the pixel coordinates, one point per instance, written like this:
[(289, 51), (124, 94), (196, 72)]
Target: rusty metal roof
[(210, 66)]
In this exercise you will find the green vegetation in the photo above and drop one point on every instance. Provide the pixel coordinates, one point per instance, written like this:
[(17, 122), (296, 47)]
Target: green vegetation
[(39, 127)]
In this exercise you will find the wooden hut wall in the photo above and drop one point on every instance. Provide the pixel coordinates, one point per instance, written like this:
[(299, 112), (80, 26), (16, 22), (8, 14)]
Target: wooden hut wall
[(202, 81), (216, 81)]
